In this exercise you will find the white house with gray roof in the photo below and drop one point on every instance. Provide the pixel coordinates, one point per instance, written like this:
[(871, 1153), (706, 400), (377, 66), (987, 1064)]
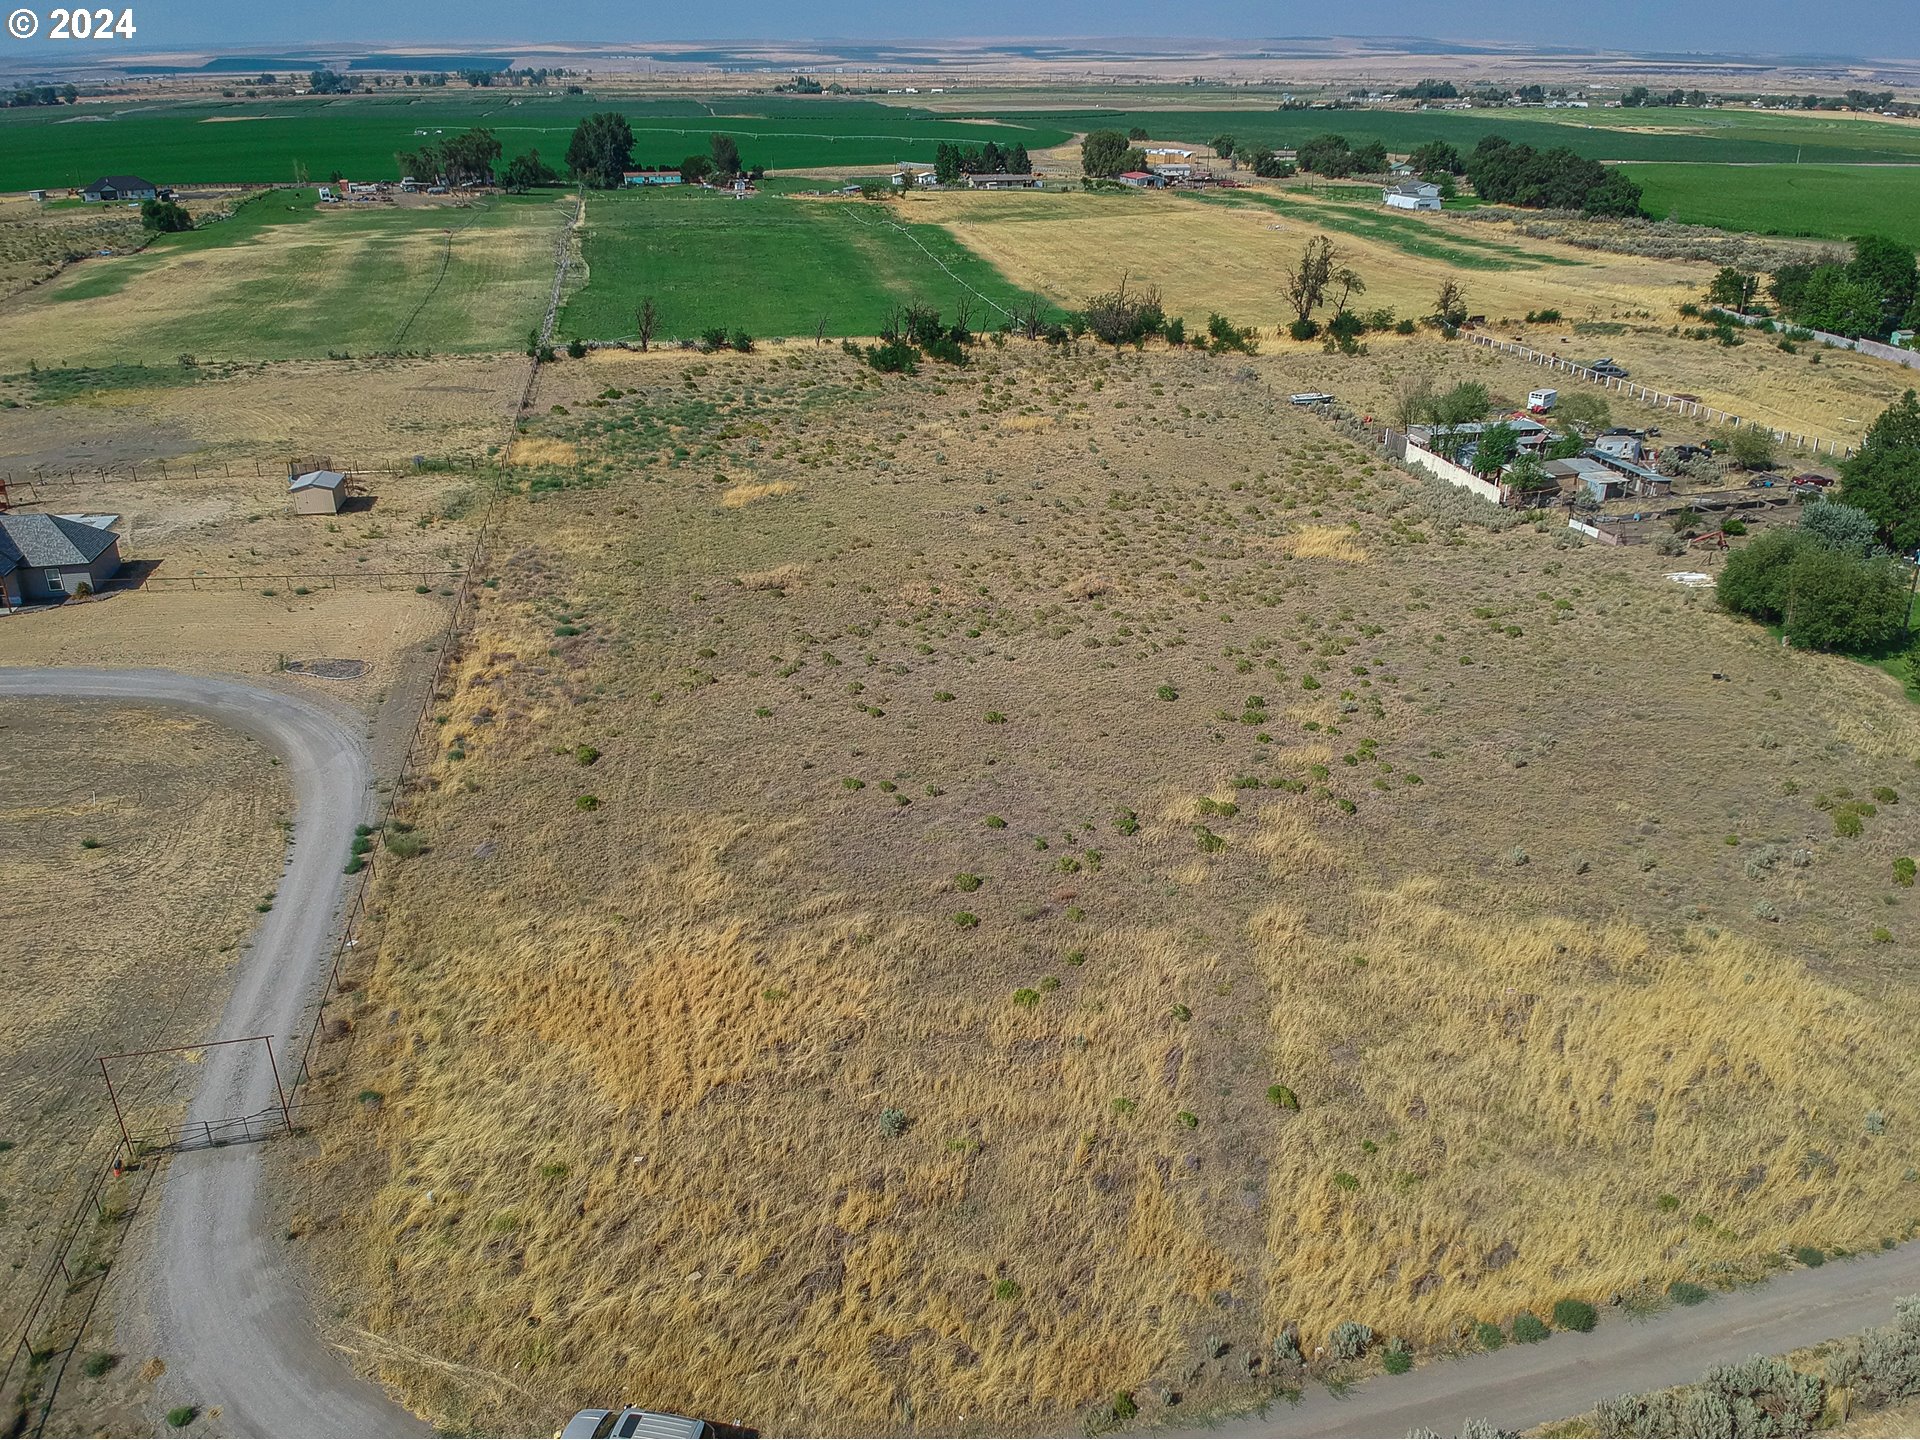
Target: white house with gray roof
[(50, 557)]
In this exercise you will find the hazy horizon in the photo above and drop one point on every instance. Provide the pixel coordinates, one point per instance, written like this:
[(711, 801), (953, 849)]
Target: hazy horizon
[(1868, 29)]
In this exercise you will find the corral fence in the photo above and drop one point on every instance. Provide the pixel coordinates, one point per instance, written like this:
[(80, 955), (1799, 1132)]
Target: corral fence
[(254, 469), (1681, 404), (300, 582)]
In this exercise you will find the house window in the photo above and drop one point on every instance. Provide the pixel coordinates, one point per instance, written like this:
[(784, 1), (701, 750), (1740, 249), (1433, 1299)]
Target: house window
[(55, 580)]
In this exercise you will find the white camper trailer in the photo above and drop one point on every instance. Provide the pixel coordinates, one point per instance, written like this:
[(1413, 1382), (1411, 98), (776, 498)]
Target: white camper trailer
[(1541, 401)]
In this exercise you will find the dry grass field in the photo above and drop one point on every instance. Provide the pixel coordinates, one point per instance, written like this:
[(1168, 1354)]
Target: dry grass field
[(946, 898), (1226, 255), (134, 848), (36, 242)]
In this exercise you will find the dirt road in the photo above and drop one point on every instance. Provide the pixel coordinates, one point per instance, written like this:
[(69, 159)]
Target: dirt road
[(234, 1330), (1526, 1385)]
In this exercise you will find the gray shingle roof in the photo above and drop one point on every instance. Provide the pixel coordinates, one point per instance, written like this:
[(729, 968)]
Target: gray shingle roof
[(318, 480), (122, 183), (54, 540), (9, 555)]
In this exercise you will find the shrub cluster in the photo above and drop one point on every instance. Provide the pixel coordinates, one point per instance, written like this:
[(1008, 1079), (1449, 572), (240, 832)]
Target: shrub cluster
[(1757, 1397)]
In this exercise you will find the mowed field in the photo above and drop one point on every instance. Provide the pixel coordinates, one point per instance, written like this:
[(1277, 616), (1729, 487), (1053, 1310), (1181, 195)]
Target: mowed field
[(768, 264), (1835, 202), (134, 847), (903, 848), (284, 279), (268, 142)]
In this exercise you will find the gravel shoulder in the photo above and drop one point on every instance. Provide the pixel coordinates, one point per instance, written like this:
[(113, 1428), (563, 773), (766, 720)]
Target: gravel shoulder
[(1522, 1386)]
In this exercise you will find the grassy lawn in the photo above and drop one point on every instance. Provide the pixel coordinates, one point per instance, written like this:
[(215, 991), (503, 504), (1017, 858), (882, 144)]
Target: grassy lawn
[(285, 280), (768, 265), (277, 141), (1836, 201)]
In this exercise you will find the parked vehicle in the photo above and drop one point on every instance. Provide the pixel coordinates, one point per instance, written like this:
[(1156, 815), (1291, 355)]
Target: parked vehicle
[(1541, 401), (1310, 397), (629, 1422), (1607, 370)]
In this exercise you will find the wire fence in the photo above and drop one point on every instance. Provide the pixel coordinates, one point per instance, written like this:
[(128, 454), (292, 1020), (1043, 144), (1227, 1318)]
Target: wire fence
[(1685, 405), (258, 468), (49, 1332)]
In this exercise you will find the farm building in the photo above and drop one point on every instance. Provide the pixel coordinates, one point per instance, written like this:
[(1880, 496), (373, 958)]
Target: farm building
[(650, 175), (1412, 195), (917, 175), (1532, 436), (1581, 474), (120, 187), (1003, 182), (1142, 179), (1621, 444), (1178, 171), (49, 557), (317, 492)]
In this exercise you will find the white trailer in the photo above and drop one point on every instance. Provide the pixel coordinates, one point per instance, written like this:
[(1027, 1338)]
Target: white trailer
[(1541, 401)]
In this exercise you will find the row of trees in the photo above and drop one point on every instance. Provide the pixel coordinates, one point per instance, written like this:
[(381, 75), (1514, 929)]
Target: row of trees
[(601, 151), (468, 158), (1872, 294), (1558, 179), (29, 95), (951, 161), (1334, 157)]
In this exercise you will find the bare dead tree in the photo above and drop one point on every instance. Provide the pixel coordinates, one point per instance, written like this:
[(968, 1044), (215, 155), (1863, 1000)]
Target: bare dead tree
[(1026, 316), (645, 321), (820, 331)]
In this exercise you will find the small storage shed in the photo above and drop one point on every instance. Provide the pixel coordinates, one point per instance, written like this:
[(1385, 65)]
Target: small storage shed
[(318, 492)]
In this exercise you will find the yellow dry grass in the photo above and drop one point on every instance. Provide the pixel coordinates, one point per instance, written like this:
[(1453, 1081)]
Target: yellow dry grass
[(1211, 257), (1533, 1088), (736, 496), (536, 450), (642, 1049), (1324, 542), (125, 943)]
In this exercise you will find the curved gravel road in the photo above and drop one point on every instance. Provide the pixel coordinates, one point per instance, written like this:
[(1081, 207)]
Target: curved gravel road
[(1522, 1386), (234, 1329)]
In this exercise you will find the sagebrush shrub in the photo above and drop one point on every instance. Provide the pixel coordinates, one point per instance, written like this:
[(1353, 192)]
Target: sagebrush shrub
[(1349, 1340), (1529, 1329), (1576, 1315)]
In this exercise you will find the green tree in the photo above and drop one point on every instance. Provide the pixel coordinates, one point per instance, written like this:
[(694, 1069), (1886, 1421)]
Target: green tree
[(946, 162), (1883, 479), (524, 172), (1103, 154), (1136, 133), (1223, 146), (601, 149), (163, 217), (725, 153), (695, 168), (1751, 447), (1886, 270), (1733, 288), (1499, 447), (1845, 603)]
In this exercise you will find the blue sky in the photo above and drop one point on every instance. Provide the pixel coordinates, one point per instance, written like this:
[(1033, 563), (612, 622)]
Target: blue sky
[(1853, 27)]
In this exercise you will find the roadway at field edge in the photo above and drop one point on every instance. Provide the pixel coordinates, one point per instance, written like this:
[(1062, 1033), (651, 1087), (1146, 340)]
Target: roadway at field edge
[(231, 1324), (1522, 1386)]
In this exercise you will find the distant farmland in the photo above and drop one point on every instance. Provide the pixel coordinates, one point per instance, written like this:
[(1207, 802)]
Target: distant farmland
[(1833, 201), (272, 141), (282, 280), (768, 265)]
